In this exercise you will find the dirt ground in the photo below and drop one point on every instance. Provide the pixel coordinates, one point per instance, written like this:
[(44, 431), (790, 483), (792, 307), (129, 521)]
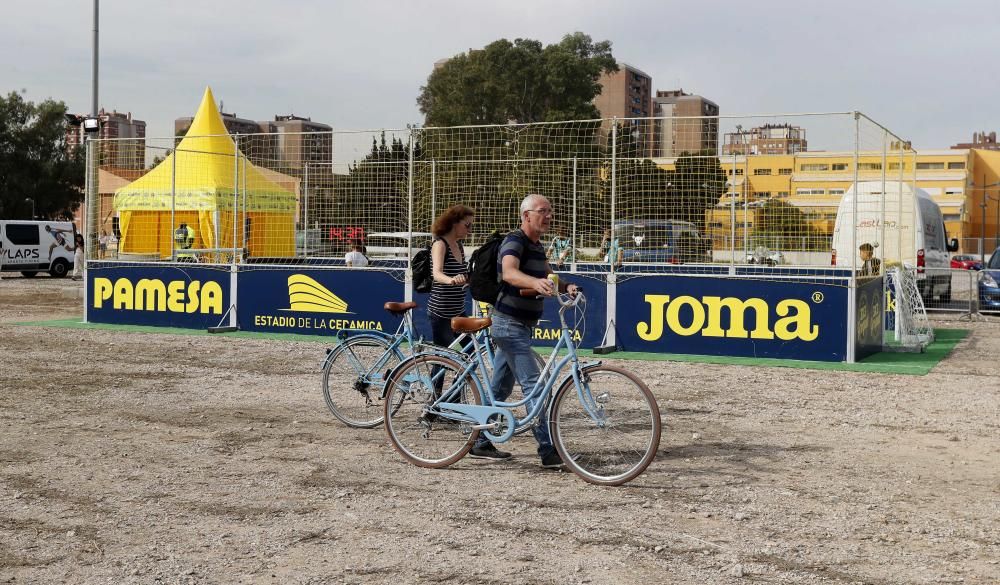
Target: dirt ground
[(152, 458)]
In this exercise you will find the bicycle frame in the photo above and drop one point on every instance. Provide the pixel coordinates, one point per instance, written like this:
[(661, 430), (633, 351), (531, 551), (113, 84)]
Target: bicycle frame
[(483, 417), (405, 333)]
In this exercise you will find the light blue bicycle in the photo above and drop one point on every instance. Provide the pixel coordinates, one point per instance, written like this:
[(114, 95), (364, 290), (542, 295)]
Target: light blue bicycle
[(355, 370), (604, 421)]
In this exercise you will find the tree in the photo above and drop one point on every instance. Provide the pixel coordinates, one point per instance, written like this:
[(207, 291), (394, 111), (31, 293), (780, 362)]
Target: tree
[(35, 167), (781, 225), (519, 81)]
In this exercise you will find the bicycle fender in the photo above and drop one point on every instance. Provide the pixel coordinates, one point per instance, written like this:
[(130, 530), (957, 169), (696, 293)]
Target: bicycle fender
[(332, 352), (345, 333)]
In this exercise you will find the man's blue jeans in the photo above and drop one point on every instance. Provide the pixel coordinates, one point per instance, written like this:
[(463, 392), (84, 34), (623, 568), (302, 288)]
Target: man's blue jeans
[(515, 359)]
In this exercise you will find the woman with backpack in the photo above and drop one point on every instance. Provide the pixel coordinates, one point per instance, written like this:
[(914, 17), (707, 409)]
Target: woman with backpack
[(449, 271)]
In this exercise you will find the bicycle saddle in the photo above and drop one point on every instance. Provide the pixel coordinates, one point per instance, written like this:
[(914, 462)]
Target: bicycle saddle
[(400, 308), (470, 324)]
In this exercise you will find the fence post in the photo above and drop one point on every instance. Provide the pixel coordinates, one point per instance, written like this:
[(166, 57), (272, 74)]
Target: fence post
[(173, 205), (732, 217), (614, 180), (305, 214), (852, 281), (236, 199), (573, 244), (433, 188), (408, 282)]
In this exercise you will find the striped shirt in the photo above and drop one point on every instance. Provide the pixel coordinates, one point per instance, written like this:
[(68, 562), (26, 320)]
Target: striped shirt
[(533, 263), (448, 300)]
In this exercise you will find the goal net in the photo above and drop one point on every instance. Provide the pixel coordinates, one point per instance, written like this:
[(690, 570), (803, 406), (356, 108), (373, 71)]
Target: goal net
[(912, 330)]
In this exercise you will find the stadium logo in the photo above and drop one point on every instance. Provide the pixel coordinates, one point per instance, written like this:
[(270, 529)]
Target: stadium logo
[(152, 294), (308, 296), (704, 317)]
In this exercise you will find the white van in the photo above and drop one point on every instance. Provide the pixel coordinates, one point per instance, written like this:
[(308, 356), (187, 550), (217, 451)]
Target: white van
[(30, 247), (904, 225)]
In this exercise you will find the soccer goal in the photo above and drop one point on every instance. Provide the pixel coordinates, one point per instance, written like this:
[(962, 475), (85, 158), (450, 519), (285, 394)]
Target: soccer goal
[(912, 330)]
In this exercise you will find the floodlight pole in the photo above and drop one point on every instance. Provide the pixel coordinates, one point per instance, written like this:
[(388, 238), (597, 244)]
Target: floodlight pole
[(93, 106)]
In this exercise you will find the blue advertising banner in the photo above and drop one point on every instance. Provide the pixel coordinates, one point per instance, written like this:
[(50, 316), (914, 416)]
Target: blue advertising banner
[(869, 300), (587, 331), (315, 301), (194, 297), (731, 316)]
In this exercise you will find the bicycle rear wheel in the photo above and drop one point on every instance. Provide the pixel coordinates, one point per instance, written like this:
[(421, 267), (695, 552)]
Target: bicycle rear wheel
[(421, 436), (609, 431), (354, 377)]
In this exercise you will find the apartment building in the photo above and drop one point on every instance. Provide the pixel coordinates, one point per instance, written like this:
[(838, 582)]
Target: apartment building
[(627, 94), (766, 139), (300, 141), (288, 144), (684, 123), (127, 152)]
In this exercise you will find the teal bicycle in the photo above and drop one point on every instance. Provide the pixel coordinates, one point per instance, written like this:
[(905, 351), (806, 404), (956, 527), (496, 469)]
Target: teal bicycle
[(604, 421)]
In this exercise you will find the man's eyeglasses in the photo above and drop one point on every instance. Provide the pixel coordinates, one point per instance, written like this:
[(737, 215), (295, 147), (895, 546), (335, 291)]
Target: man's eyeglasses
[(542, 211)]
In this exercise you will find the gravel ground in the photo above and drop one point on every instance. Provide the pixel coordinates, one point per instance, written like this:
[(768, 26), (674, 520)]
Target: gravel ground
[(150, 458)]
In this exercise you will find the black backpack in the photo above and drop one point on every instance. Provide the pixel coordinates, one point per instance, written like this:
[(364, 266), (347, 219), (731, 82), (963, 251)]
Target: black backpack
[(484, 277), (423, 280)]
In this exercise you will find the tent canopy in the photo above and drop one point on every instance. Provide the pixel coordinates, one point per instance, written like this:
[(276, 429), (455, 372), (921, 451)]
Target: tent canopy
[(201, 173), (207, 183)]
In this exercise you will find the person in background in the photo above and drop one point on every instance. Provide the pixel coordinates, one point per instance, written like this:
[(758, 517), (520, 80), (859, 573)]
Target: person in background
[(355, 257), (78, 258), (102, 244), (870, 265), (611, 249), (184, 240), (560, 249)]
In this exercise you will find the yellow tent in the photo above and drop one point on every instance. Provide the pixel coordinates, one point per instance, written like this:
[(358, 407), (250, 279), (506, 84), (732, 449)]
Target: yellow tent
[(200, 190)]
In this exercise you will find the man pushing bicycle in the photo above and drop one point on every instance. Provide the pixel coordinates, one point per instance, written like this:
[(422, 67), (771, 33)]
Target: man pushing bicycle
[(522, 264)]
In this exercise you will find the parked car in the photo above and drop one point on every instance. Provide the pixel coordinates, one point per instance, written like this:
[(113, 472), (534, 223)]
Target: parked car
[(966, 262), (394, 244), (762, 255), (30, 247), (670, 241), (989, 284)]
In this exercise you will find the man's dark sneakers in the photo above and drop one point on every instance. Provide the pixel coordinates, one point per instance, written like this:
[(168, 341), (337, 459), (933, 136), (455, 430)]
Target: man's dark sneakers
[(552, 460), (488, 451)]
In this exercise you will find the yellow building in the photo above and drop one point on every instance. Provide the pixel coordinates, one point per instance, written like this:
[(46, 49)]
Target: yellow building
[(814, 182)]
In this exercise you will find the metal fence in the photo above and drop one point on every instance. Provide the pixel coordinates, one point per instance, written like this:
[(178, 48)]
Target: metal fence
[(630, 195)]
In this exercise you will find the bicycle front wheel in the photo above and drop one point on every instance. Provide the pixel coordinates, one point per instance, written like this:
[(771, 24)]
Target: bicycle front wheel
[(354, 377), (607, 430), (420, 434)]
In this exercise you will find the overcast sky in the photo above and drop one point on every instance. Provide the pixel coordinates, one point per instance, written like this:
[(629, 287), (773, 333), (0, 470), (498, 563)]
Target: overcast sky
[(926, 70)]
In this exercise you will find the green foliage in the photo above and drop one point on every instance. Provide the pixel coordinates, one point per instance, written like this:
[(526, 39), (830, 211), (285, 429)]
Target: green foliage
[(520, 81), (34, 164), (780, 225), (645, 191)]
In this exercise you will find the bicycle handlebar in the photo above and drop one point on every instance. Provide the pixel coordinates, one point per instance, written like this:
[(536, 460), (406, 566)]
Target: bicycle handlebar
[(571, 300)]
